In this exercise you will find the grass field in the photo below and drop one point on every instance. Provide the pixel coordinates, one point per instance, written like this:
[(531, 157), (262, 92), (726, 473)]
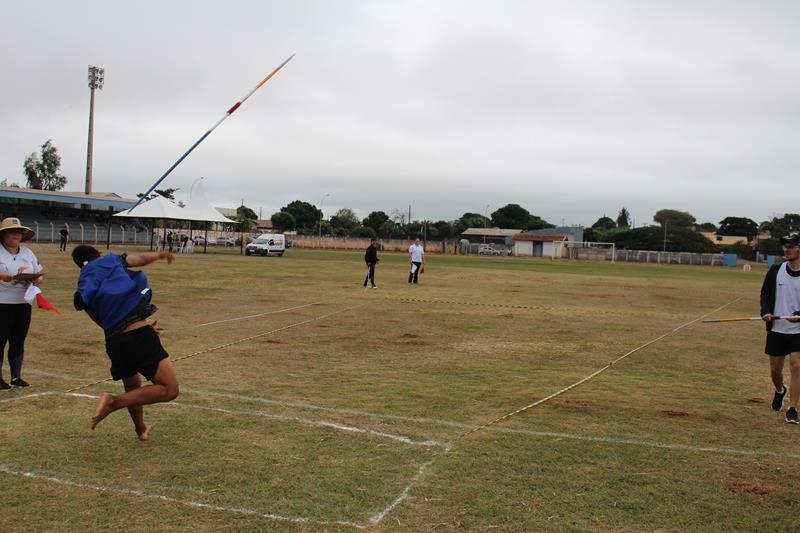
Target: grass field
[(349, 409)]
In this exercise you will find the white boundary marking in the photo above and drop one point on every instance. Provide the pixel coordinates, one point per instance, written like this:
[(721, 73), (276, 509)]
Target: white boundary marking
[(284, 418), (466, 425), (26, 396), (189, 503), (258, 315), (375, 519)]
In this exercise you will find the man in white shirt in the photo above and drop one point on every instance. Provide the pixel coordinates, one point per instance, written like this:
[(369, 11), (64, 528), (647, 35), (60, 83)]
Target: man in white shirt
[(416, 254), (780, 297)]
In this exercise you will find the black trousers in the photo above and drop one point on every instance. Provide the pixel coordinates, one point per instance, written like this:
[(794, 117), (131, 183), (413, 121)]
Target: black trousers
[(414, 276), (370, 275), (63, 245), (15, 319)]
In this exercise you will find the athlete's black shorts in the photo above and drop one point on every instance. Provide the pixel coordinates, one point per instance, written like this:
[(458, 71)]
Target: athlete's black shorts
[(137, 351), (781, 344)]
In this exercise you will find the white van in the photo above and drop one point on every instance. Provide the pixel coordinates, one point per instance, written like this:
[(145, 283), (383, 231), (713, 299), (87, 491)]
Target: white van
[(267, 244)]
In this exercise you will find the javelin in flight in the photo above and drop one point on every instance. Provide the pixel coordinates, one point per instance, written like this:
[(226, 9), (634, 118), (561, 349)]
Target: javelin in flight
[(228, 113)]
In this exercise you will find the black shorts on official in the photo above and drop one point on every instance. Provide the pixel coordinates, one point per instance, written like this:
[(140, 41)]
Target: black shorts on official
[(782, 344), (135, 352)]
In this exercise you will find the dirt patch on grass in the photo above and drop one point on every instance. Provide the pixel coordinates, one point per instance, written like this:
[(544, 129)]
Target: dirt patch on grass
[(68, 350), (574, 404), (748, 487), (757, 400), (676, 414), (409, 336)]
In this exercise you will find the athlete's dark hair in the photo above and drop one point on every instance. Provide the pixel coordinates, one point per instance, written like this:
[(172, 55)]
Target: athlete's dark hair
[(84, 253)]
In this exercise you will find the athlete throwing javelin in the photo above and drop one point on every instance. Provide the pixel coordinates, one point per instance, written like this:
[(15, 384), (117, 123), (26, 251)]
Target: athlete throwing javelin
[(780, 296), (118, 300)]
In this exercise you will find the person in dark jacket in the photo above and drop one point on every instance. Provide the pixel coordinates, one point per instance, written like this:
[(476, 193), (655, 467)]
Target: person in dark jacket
[(371, 258), (780, 297)]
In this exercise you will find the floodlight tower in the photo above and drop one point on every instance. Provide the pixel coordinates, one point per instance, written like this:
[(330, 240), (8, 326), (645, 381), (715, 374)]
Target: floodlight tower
[(96, 77)]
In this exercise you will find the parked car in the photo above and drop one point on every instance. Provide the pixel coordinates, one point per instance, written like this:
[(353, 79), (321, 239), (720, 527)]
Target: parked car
[(198, 240), (267, 244), (226, 241), (485, 249)]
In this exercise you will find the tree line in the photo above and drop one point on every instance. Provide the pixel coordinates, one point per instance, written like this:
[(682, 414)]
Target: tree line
[(676, 230)]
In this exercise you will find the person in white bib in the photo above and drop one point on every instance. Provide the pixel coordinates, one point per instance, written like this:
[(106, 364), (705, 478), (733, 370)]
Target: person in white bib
[(780, 297), (15, 311), (416, 254)]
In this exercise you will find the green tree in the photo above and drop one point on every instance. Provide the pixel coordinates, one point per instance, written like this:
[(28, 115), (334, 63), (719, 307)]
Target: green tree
[(679, 239), (345, 220), (444, 229), (246, 213), (535, 222), (365, 232), (473, 220), (375, 220), (706, 226), (391, 229), (510, 216), (604, 223), (784, 226), (42, 170), (306, 215), (674, 218), (738, 226), (623, 218), (169, 194), (283, 221)]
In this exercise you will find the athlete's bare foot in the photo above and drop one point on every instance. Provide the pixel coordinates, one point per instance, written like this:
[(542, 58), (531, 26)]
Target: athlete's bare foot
[(144, 434), (103, 408)]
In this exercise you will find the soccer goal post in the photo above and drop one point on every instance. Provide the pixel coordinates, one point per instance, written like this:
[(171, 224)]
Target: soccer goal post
[(572, 248)]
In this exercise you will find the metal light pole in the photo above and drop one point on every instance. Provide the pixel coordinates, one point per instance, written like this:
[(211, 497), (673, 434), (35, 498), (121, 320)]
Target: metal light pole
[(321, 214), (96, 78)]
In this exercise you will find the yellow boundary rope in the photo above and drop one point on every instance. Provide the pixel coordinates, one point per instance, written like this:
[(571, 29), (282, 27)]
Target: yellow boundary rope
[(228, 344)]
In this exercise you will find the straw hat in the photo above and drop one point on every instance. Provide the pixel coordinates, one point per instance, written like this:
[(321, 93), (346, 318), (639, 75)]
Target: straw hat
[(14, 223)]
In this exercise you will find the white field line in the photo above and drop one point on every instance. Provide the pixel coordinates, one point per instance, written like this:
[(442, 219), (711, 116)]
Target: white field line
[(306, 421), (25, 397), (258, 315), (468, 426), (189, 503), (375, 519)]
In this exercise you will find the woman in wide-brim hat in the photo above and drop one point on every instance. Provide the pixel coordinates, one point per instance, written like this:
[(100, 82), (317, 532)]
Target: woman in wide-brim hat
[(15, 311)]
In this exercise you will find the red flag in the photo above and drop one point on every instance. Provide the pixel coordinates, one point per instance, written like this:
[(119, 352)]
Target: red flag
[(44, 304)]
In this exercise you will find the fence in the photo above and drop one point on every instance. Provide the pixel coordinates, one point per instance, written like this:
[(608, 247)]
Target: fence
[(648, 256), (351, 243)]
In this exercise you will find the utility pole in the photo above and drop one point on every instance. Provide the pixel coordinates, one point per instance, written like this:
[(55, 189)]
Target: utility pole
[(96, 78)]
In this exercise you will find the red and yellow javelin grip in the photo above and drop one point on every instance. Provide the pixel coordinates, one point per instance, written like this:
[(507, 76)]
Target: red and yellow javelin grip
[(228, 113)]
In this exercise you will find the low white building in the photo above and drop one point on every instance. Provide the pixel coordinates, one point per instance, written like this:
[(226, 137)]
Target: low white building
[(538, 245)]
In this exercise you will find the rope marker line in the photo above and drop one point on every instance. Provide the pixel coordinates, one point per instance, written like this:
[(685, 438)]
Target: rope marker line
[(232, 343), (257, 315), (593, 374)]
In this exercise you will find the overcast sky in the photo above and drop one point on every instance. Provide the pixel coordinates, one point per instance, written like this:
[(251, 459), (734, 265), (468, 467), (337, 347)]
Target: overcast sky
[(571, 109)]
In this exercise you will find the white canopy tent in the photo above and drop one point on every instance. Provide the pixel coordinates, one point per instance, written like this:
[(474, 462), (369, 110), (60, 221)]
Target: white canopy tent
[(199, 209)]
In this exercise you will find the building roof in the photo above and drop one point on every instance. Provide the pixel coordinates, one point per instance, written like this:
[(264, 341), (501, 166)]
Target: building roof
[(490, 232), (264, 224), (538, 237), (97, 199)]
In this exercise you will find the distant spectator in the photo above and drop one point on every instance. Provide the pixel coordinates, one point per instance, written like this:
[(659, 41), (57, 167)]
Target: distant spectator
[(415, 254), (64, 233), (169, 240), (371, 258)]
